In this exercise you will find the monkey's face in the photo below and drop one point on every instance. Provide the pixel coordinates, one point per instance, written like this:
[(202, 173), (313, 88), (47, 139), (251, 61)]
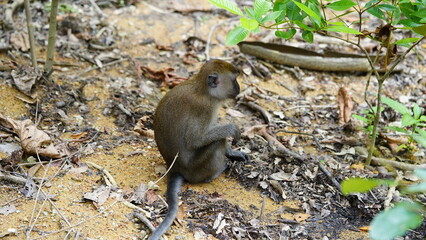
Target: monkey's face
[(223, 85)]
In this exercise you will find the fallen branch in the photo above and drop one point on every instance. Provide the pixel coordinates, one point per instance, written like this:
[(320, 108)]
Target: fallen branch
[(386, 162), (11, 178), (263, 112), (292, 56), (144, 220)]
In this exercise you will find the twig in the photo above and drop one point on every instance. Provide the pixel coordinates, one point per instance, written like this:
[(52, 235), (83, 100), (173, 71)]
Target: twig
[(104, 65), (97, 9), (11, 178), (263, 112), (104, 171), (174, 160), (328, 174), (144, 220), (132, 206), (30, 33), (79, 223), (262, 210), (6, 203), (209, 37), (392, 190), (306, 134)]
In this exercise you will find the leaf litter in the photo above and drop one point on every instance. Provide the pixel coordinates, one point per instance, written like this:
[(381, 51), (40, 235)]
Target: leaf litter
[(290, 120)]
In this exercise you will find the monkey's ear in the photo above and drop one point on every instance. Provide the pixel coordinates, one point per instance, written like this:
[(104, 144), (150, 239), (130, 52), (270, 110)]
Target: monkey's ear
[(213, 80)]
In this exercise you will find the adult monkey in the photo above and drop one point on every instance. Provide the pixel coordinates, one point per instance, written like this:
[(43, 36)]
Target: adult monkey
[(185, 125)]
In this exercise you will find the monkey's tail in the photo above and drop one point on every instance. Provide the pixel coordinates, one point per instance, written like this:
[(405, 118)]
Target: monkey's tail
[(174, 185)]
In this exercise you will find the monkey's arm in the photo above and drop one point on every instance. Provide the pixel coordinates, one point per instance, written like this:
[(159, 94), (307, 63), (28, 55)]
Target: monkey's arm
[(217, 133)]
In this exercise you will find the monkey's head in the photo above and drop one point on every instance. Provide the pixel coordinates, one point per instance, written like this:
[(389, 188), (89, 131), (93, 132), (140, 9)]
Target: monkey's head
[(221, 79)]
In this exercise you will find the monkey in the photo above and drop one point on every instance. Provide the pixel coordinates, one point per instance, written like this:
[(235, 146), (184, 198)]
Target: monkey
[(185, 127)]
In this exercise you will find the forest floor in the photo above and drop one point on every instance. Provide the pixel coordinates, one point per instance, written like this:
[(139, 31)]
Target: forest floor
[(113, 66)]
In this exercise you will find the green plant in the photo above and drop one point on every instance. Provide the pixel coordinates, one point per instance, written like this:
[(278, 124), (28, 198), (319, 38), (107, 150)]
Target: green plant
[(286, 17), (62, 8), (398, 220), (367, 119), (411, 122)]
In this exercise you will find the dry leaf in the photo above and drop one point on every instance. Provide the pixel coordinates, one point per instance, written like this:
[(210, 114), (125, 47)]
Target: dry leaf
[(345, 103), (20, 41), (24, 78), (99, 195), (234, 113), (142, 130), (364, 229), (300, 217), (6, 210), (33, 140), (165, 75), (394, 142)]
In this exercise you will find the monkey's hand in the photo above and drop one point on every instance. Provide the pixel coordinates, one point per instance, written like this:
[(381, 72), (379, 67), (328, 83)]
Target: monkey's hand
[(236, 155), (236, 133)]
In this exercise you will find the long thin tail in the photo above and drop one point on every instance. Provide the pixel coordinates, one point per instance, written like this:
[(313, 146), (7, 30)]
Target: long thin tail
[(173, 188)]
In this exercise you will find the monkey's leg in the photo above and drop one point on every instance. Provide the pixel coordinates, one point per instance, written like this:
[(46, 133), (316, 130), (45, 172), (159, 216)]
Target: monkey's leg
[(236, 155)]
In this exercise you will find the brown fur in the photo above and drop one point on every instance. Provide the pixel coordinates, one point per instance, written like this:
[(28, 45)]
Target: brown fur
[(185, 123)]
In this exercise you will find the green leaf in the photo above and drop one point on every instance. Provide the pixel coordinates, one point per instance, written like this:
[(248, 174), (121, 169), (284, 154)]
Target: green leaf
[(407, 120), (420, 30), (395, 105), (303, 26), (227, 5), (308, 36), (341, 29), (360, 185), (293, 12), (421, 173), (249, 24), (307, 10), (341, 5), (271, 16), (416, 111), (261, 7), (236, 35), (420, 139), (417, 188), (423, 118), (397, 129), (365, 120), (250, 12), (387, 7), (375, 11), (406, 41), (421, 132), (286, 34), (396, 221)]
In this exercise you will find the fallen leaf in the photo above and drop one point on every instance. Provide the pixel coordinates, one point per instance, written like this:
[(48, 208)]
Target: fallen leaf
[(20, 41), (300, 217), (6, 210), (33, 140), (24, 78), (364, 228), (99, 195), (142, 130), (165, 75), (346, 104), (234, 113)]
